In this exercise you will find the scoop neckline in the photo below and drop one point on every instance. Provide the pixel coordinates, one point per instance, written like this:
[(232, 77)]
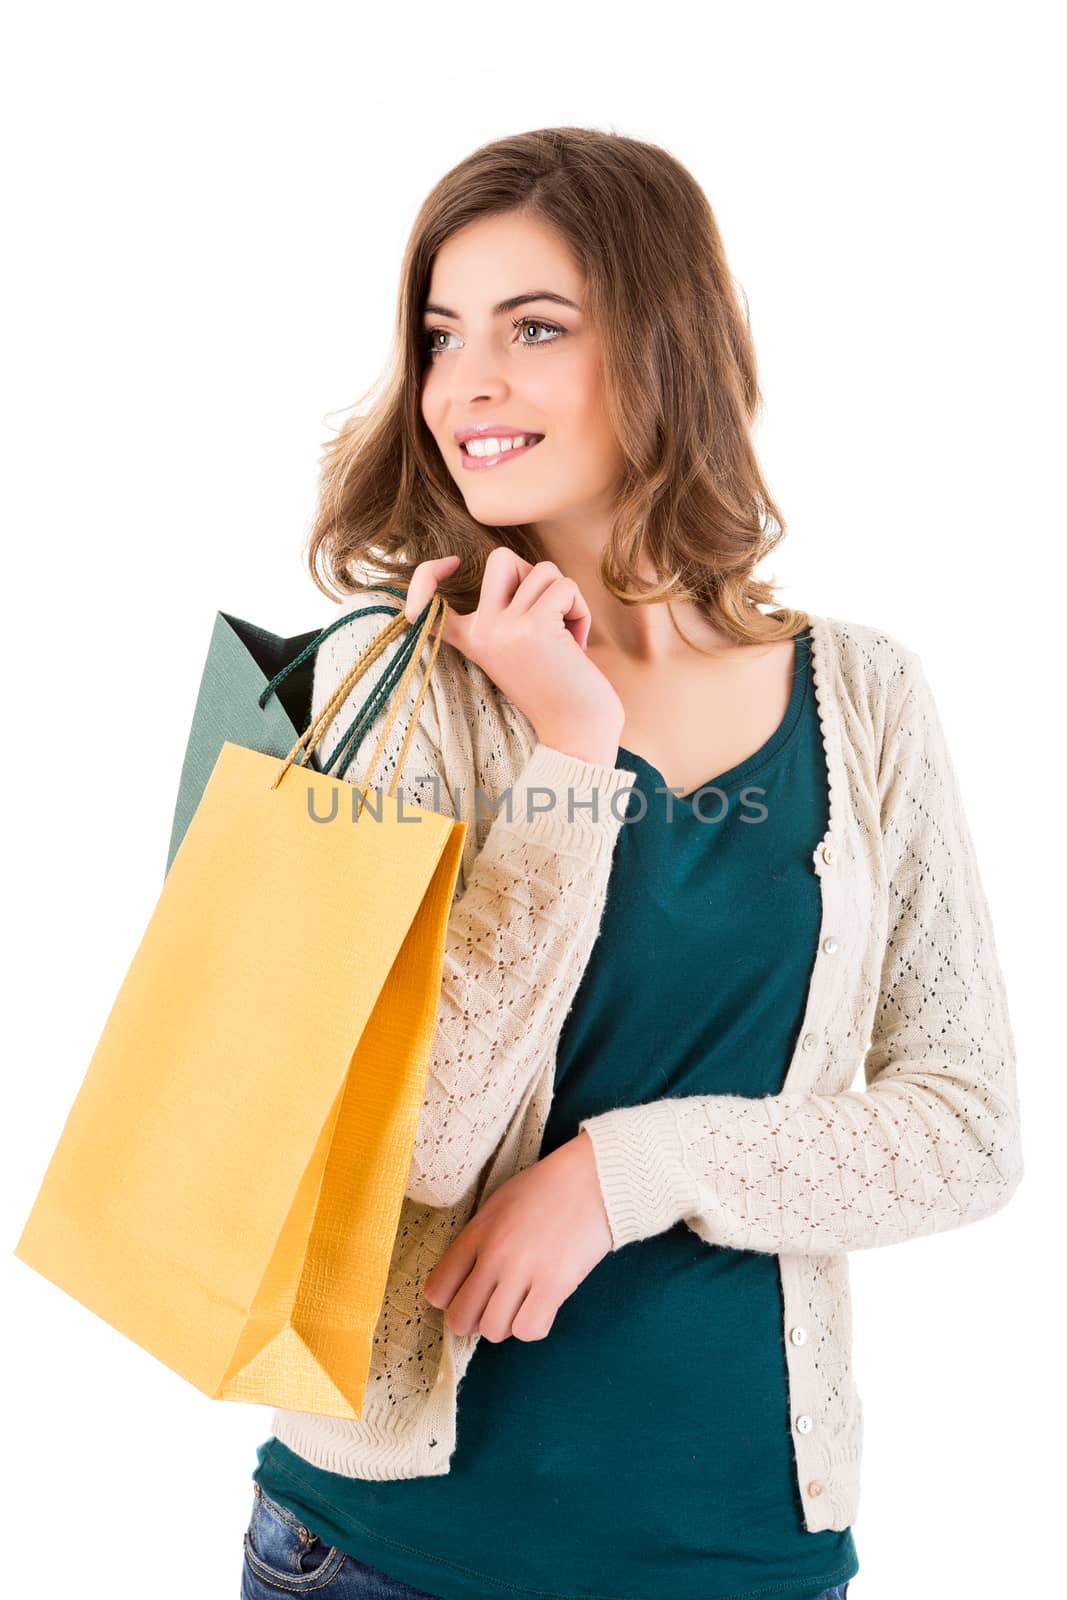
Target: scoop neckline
[(767, 750)]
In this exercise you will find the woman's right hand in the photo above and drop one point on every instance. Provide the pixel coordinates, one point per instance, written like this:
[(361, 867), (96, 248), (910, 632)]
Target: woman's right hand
[(528, 634)]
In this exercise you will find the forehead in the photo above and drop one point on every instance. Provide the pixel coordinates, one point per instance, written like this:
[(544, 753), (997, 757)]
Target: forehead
[(496, 259)]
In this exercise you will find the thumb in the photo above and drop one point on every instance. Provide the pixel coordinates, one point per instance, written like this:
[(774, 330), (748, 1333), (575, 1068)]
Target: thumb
[(423, 585)]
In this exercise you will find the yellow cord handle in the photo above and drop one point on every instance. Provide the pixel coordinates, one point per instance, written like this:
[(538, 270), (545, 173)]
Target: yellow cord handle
[(313, 734)]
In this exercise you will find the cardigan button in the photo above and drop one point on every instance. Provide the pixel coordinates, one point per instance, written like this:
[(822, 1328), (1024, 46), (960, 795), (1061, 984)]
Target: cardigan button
[(809, 1041), (797, 1335), (804, 1423), (830, 946), (827, 852), (814, 1487)]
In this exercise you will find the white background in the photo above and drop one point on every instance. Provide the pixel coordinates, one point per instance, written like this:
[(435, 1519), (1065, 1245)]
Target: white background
[(205, 211)]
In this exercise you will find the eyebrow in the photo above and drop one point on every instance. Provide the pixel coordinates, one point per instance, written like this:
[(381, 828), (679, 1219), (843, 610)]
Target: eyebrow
[(430, 310)]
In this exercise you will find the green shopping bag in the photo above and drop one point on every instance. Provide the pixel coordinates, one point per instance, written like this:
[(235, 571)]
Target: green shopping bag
[(255, 690)]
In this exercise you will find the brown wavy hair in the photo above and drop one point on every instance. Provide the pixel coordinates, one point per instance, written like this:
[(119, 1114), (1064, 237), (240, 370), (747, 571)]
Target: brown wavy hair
[(681, 390)]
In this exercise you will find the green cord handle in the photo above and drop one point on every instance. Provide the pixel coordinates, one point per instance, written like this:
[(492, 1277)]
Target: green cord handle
[(404, 663), (350, 741)]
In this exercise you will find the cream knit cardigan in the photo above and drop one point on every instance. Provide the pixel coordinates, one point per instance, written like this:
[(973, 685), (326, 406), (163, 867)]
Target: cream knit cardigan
[(906, 987)]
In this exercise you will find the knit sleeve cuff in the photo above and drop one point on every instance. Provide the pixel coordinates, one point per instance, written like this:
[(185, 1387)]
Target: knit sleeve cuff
[(566, 802), (640, 1162)]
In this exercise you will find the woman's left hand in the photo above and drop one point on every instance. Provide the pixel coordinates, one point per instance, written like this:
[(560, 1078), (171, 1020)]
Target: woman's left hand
[(529, 1247)]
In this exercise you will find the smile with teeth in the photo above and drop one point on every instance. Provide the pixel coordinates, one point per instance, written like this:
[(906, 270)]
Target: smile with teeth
[(489, 451)]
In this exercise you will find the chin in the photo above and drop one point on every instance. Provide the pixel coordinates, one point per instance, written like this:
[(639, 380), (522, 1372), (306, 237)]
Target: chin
[(509, 515)]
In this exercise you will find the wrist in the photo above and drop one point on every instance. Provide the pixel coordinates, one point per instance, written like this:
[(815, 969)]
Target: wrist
[(598, 750)]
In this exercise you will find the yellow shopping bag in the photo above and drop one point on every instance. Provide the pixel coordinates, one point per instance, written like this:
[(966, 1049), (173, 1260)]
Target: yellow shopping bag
[(227, 1186)]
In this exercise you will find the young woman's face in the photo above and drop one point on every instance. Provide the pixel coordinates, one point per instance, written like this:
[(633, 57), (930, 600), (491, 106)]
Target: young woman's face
[(532, 368)]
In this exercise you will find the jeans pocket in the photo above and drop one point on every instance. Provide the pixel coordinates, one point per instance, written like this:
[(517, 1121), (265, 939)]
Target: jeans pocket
[(282, 1556)]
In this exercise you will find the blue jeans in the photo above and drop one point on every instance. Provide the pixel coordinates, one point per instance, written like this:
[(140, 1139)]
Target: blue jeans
[(282, 1557)]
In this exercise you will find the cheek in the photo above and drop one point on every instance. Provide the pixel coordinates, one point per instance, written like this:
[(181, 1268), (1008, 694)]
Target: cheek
[(429, 403), (433, 404), (586, 435), (580, 404)]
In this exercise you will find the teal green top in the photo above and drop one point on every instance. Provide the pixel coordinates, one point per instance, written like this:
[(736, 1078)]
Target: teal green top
[(585, 1464)]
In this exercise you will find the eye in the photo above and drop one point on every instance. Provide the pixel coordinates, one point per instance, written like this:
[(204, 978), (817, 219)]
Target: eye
[(430, 349), (529, 322), (431, 336)]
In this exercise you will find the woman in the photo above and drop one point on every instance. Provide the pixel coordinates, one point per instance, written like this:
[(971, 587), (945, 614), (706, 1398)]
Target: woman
[(640, 1165)]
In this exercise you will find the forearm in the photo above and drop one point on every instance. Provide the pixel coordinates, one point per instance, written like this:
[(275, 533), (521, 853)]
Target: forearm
[(518, 940), (813, 1174)]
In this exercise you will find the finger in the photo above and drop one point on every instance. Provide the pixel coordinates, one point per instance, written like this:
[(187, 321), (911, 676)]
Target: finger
[(422, 587), (534, 1318), (467, 1305), (504, 571), (563, 599), (442, 1283), (424, 582), (496, 1321), (533, 586)]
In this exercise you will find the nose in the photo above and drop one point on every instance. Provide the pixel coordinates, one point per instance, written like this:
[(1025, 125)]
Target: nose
[(476, 372)]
